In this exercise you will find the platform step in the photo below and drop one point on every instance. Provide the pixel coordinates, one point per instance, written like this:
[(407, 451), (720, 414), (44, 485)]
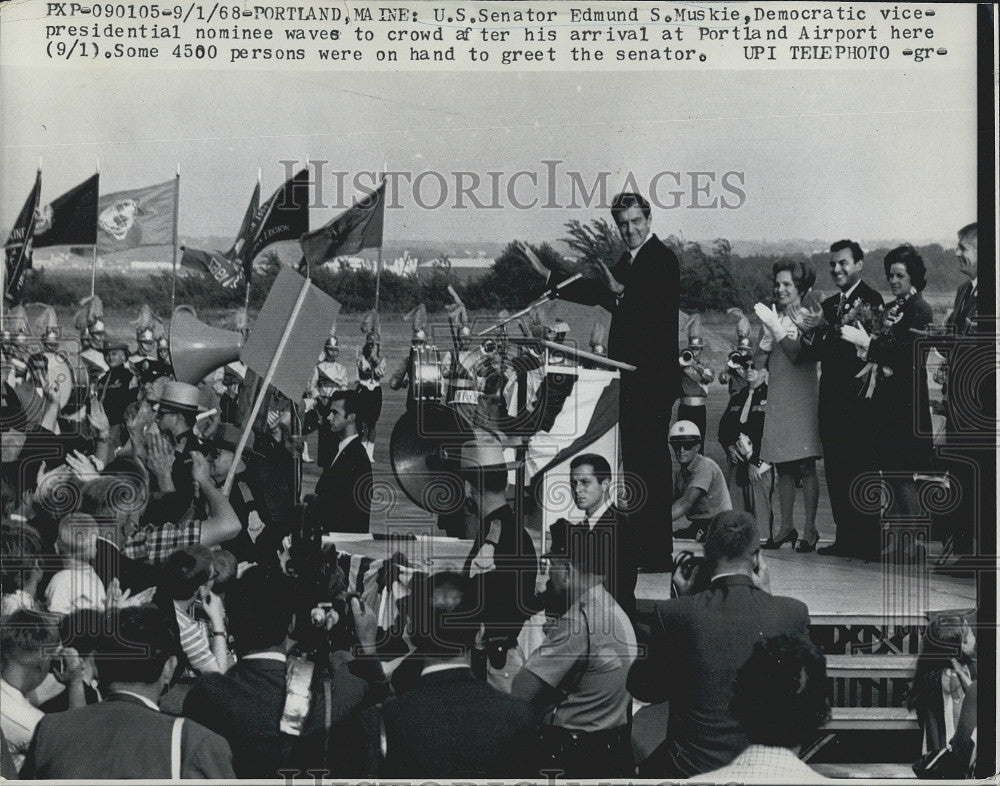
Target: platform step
[(871, 666), (868, 770), (871, 719)]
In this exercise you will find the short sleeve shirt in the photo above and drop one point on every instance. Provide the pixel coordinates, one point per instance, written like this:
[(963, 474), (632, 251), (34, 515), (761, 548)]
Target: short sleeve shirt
[(18, 720), (599, 701), (703, 473)]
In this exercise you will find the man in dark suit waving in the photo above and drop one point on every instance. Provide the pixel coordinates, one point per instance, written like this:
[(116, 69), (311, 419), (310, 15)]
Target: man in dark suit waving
[(642, 292), (846, 417), (699, 642), (344, 491)]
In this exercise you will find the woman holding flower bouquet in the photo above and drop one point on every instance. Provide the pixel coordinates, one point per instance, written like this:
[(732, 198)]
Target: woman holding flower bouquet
[(791, 425), (897, 380)]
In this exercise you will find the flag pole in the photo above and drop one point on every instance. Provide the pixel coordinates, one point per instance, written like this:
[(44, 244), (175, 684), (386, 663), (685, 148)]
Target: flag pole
[(177, 209), (246, 295), (93, 261), (378, 267)]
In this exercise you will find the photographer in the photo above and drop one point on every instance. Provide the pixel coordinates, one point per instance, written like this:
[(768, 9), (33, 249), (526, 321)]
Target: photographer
[(698, 643), (27, 642), (281, 712)]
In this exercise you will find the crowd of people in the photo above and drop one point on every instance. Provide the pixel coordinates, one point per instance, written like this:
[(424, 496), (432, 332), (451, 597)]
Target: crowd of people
[(163, 619)]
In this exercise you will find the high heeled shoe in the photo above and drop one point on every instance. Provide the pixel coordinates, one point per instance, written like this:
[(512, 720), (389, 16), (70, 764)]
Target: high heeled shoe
[(805, 547), (772, 544)]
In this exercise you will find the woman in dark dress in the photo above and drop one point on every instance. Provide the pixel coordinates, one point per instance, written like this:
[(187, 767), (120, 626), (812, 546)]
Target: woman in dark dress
[(901, 400)]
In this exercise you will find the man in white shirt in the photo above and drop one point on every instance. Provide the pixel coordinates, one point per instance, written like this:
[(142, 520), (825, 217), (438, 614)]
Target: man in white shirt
[(28, 640)]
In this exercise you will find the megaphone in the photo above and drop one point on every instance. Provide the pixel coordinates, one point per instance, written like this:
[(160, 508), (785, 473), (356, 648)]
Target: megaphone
[(197, 349)]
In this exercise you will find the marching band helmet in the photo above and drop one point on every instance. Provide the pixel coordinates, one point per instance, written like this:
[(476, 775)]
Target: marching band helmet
[(21, 335), (696, 343), (419, 337), (465, 331), (50, 339), (163, 348), (96, 333), (146, 338)]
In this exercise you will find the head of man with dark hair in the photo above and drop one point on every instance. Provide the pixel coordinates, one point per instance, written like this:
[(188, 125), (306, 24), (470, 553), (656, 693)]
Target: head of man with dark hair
[(631, 213), (780, 696), (968, 250), (442, 621), (186, 571), (343, 411), (846, 263), (590, 480), (732, 545), (137, 652), (259, 606)]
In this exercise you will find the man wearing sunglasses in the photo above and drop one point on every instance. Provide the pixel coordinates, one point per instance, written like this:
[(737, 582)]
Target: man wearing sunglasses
[(699, 483)]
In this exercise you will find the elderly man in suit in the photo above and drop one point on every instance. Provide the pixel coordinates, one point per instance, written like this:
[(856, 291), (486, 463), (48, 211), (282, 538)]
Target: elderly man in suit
[(642, 293), (344, 491), (846, 417), (126, 736), (452, 725), (245, 704), (698, 643)]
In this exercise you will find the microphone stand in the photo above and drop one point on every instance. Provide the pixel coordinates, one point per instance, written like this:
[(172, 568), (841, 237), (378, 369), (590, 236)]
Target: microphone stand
[(550, 294)]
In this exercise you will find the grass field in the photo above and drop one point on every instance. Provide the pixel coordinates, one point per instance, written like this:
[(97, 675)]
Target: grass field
[(400, 514)]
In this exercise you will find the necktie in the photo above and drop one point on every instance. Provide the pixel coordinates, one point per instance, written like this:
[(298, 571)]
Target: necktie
[(586, 522), (745, 412)]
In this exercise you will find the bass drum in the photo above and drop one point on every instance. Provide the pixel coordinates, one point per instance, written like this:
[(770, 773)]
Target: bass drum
[(424, 451)]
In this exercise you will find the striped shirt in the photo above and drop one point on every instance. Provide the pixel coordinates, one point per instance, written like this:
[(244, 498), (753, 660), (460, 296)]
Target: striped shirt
[(195, 643)]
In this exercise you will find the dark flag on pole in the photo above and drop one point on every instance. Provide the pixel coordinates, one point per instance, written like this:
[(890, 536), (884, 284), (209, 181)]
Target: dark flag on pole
[(356, 228), (139, 217), (285, 216), (70, 220), (18, 245), (227, 272), (243, 236)]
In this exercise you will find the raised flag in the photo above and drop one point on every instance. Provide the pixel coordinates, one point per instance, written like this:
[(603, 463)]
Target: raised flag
[(356, 228), (285, 216), (69, 220), (18, 245), (141, 217), (225, 271), (243, 236)]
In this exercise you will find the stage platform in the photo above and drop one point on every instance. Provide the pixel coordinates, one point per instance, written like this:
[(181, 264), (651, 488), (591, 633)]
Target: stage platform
[(838, 590)]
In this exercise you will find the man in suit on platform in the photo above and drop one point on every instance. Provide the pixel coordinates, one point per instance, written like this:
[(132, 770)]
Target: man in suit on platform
[(642, 293), (344, 491), (126, 736), (846, 418), (590, 479), (245, 704), (964, 407), (698, 643), (452, 725)]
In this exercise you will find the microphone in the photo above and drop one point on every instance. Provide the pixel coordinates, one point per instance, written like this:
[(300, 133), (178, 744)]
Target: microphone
[(553, 292)]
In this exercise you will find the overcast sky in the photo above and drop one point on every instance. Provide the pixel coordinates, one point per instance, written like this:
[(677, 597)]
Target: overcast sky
[(824, 154)]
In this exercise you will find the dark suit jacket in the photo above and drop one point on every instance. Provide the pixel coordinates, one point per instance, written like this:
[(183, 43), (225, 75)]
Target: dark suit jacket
[(841, 409), (614, 525), (644, 319), (121, 738), (244, 705), (109, 562), (902, 402), (452, 725), (698, 643), (344, 491)]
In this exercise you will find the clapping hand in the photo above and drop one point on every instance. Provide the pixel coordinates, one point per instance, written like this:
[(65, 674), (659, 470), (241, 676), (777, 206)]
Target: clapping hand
[(365, 624), (98, 418), (116, 599), (807, 320), (159, 459), (82, 466), (200, 471)]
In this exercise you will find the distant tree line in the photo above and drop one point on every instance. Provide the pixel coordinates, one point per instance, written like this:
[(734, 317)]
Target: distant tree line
[(713, 278)]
